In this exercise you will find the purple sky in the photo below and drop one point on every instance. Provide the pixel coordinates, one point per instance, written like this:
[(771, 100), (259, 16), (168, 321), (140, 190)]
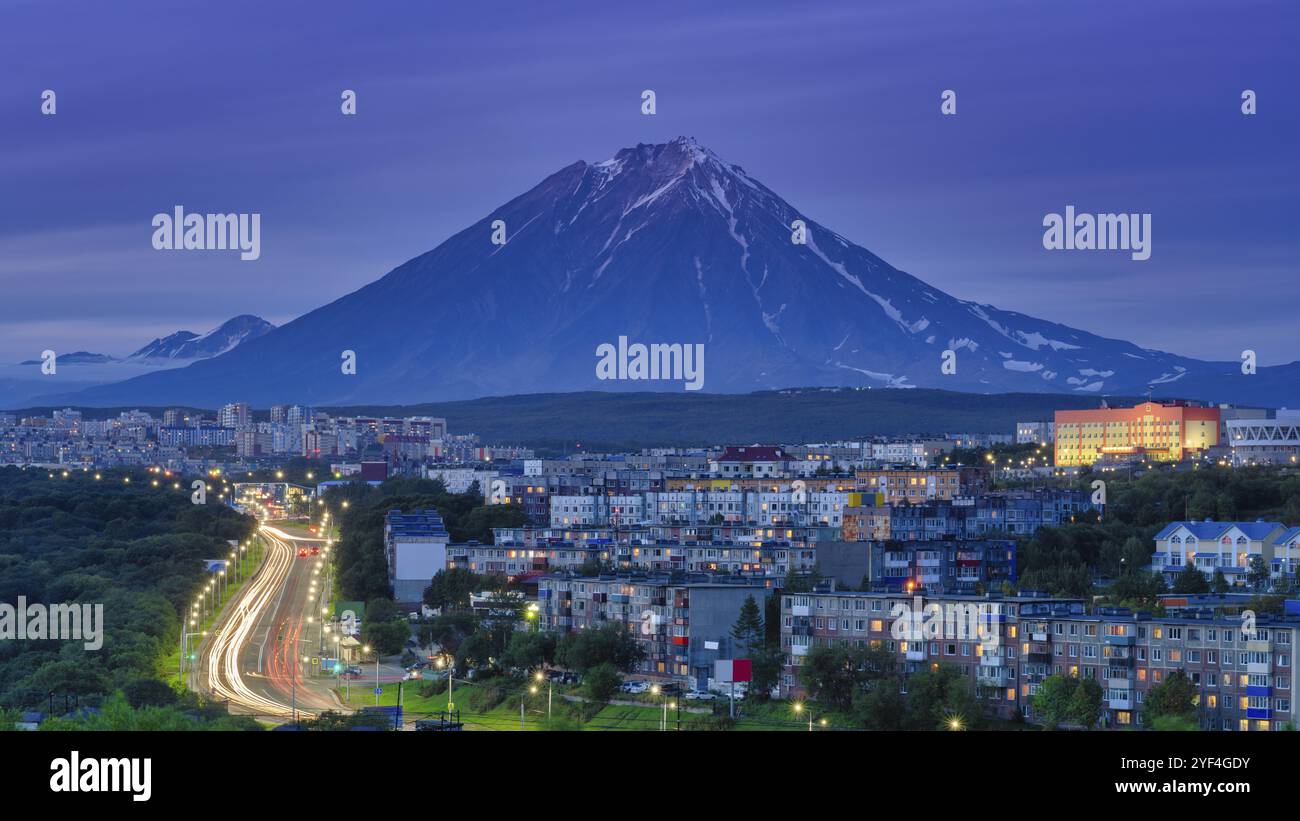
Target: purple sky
[(233, 106)]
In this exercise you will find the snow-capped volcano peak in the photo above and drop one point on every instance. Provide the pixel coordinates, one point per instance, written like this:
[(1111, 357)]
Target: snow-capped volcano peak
[(667, 243)]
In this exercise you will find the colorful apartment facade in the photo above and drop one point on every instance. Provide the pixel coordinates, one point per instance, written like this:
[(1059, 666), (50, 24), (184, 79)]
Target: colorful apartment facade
[(919, 485)]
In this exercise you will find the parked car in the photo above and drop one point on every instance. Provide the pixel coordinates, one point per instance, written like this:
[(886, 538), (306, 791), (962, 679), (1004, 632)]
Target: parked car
[(699, 695)]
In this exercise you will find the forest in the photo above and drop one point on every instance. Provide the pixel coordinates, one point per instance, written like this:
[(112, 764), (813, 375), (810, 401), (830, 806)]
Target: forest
[(135, 546)]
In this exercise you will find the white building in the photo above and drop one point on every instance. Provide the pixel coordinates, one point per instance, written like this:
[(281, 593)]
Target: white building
[(416, 546), (568, 511), (1265, 441), (1035, 433)]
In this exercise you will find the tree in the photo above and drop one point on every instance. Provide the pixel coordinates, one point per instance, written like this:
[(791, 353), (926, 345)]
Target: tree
[(448, 630), (148, 692), (1219, 584), (610, 643), (386, 638), (1190, 580), (881, 706), (1085, 705), (1173, 697), (450, 589), (748, 629), (1177, 724), (1258, 575), (527, 650), (476, 650), (829, 675), (936, 697), (1138, 589), (1051, 702), (766, 664), (601, 682)]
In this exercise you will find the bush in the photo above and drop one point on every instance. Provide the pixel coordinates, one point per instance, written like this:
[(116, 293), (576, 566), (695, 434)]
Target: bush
[(484, 697), (601, 682)]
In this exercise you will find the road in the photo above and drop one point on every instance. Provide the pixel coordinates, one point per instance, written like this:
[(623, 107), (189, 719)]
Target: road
[(254, 658)]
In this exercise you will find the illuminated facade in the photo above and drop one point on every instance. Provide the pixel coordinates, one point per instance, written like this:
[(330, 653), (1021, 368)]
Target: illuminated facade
[(1164, 432)]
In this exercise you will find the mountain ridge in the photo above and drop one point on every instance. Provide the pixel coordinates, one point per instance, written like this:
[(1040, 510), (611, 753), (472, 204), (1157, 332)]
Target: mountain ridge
[(668, 243)]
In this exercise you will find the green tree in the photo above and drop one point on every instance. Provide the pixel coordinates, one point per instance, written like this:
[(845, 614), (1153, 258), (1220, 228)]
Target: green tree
[(1085, 705), (528, 650), (829, 674), (748, 629), (450, 589), (611, 643), (766, 666), (937, 696), (1219, 584), (882, 706), (387, 638), (1190, 581), (601, 682), (1258, 575), (1052, 701), (1173, 697)]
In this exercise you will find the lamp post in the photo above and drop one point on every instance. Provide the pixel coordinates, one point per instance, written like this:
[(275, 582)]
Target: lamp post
[(654, 691), (366, 649), (549, 688), (800, 708)]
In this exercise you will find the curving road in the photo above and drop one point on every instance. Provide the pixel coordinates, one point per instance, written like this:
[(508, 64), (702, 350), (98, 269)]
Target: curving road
[(254, 658)]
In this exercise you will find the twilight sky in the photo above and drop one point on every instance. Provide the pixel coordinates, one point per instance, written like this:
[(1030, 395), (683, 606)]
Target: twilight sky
[(233, 106)]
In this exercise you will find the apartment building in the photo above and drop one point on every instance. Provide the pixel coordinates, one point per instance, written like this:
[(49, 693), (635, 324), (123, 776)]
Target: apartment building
[(980, 635), (941, 566), (918, 485), (415, 545), (1243, 673), (684, 626)]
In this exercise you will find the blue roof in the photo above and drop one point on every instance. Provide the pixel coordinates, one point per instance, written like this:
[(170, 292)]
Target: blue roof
[(1213, 530), (1290, 534)]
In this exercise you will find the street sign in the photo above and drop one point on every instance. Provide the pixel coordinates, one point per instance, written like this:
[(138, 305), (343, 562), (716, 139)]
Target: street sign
[(379, 691)]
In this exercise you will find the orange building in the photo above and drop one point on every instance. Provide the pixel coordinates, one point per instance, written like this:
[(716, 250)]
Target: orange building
[(1164, 432)]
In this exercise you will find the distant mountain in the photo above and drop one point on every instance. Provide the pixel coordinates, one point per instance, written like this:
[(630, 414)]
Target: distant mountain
[(76, 358), (189, 345), (668, 243)]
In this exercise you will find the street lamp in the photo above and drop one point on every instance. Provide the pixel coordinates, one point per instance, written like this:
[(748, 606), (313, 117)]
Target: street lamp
[(799, 707), (366, 649), (539, 677)]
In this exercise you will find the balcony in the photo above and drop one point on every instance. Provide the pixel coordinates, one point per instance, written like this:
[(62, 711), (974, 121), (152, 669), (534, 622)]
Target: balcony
[(1120, 641), (991, 677)]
